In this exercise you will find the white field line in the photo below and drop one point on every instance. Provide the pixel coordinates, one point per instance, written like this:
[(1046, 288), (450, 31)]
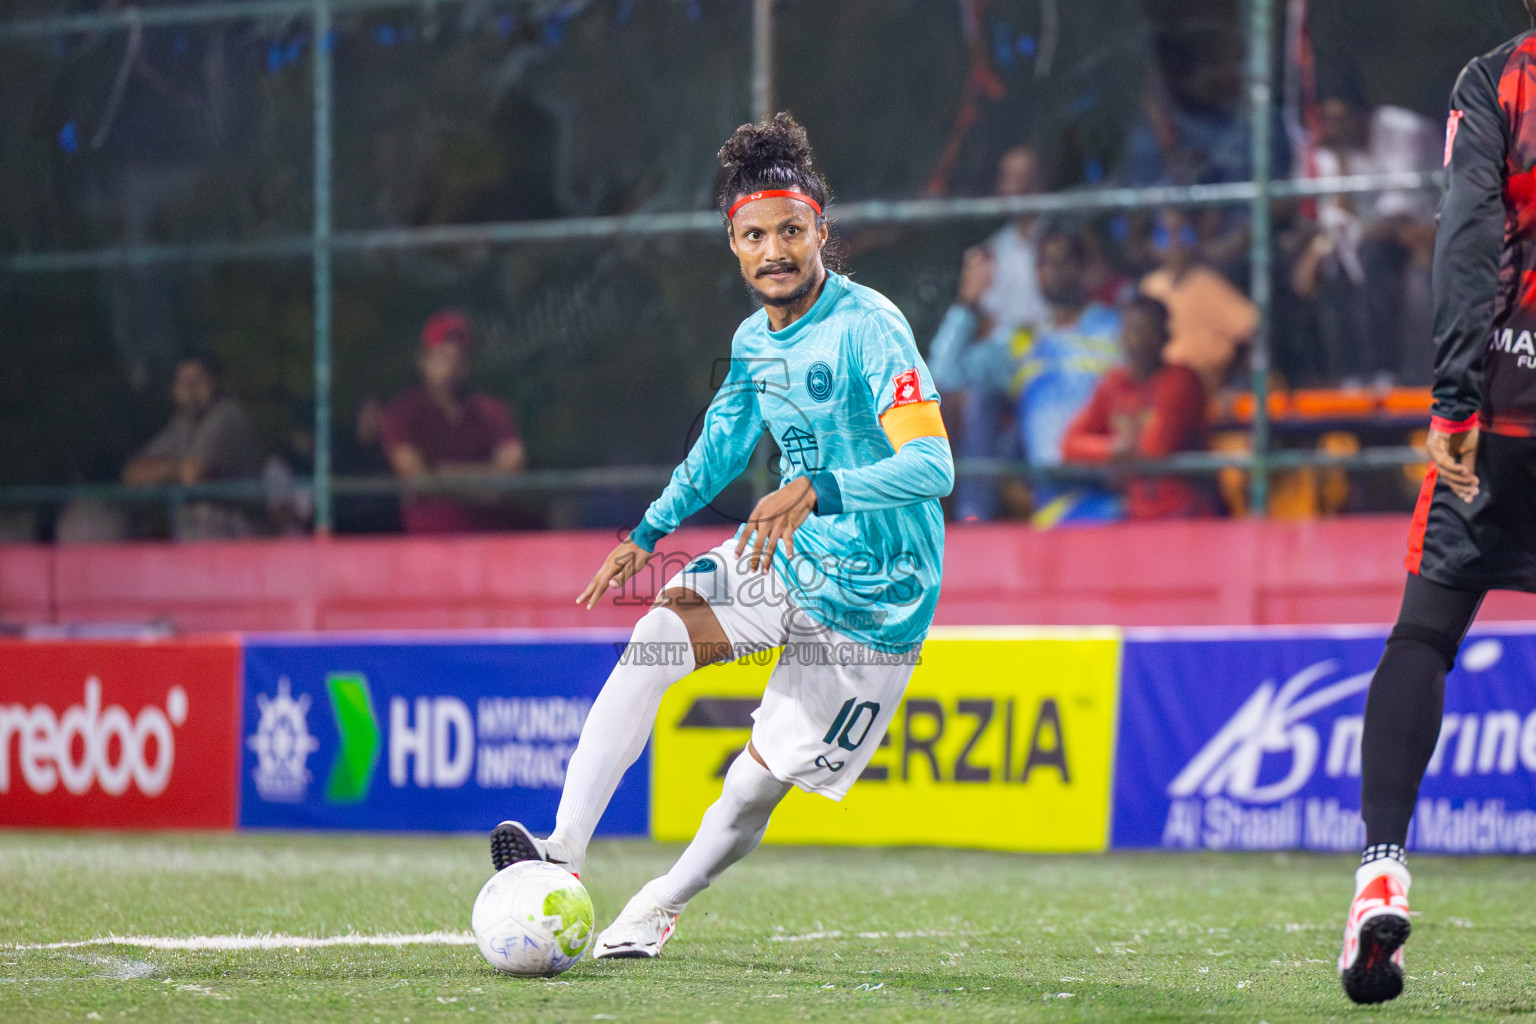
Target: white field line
[(227, 943)]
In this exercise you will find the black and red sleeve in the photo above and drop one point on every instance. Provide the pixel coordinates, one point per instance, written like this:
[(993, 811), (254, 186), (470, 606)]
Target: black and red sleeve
[(1469, 245)]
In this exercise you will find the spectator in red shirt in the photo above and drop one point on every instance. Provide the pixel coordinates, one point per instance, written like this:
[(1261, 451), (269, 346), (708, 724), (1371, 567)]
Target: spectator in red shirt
[(442, 430), (1145, 409)]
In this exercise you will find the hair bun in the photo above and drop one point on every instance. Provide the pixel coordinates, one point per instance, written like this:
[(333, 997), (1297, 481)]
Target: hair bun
[(780, 141), (775, 154)]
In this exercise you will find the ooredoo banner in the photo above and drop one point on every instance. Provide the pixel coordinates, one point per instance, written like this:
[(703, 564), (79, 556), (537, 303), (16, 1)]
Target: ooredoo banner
[(1253, 743), (1003, 741), (118, 735), (417, 734)]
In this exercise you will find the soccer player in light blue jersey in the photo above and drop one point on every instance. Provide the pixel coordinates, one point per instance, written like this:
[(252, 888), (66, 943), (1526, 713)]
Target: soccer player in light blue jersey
[(840, 566)]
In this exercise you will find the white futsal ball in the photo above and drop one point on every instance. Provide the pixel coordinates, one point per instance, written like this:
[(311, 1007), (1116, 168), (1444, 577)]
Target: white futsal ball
[(532, 919)]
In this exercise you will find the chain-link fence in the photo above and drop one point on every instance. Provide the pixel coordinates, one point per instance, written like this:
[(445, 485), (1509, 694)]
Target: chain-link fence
[(294, 186)]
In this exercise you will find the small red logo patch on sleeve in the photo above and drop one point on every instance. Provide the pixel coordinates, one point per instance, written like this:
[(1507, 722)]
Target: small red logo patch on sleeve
[(1450, 134), (907, 388)]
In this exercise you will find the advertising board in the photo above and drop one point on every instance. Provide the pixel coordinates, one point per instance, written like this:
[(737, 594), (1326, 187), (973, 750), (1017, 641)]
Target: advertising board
[(118, 734), (1252, 742), (412, 734), (1004, 741)]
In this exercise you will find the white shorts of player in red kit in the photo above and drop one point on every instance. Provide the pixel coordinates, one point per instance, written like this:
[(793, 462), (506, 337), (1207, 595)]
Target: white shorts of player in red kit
[(829, 700)]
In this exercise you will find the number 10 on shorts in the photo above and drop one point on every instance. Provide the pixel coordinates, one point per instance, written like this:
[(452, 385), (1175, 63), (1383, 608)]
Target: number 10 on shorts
[(849, 719)]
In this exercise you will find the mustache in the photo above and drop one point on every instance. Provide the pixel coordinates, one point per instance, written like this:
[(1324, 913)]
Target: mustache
[(806, 287), (776, 268)]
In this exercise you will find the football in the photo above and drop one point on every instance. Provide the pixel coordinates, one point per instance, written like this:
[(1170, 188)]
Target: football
[(532, 919)]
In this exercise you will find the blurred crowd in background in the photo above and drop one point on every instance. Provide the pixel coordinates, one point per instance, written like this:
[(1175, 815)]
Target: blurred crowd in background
[(1040, 361), (1075, 346)]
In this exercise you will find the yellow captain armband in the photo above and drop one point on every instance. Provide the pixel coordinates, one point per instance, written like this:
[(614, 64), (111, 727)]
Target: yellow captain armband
[(915, 419)]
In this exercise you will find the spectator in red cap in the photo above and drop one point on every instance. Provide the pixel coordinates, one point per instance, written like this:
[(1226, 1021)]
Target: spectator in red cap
[(442, 430)]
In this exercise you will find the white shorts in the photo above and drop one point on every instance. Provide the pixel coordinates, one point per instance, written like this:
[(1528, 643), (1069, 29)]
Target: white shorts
[(829, 700)]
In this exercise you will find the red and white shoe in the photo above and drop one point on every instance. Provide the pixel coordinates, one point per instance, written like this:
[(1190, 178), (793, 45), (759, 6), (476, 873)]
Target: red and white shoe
[(639, 932), (1371, 965)]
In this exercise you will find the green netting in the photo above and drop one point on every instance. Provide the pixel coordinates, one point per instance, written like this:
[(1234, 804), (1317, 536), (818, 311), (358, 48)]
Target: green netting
[(462, 112)]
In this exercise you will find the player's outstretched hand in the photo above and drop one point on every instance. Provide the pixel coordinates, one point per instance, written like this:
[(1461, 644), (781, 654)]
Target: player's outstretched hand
[(1455, 455), (775, 519), (621, 564)]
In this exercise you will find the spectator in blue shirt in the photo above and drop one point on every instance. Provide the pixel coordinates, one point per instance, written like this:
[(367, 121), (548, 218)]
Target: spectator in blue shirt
[(1056, 375)]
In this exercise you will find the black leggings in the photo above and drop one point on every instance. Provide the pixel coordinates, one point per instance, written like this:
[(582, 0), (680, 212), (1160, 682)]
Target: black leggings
[(1407, 698)]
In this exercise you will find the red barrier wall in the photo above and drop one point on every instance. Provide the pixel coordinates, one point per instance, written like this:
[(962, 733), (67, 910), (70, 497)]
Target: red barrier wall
[(1180, 573)]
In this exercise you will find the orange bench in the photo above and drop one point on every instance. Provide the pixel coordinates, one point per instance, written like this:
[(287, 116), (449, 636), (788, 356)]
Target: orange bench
[(1326, 404)]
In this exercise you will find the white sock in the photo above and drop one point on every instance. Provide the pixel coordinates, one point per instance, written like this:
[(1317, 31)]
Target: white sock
[(731, 829), (618, 726)]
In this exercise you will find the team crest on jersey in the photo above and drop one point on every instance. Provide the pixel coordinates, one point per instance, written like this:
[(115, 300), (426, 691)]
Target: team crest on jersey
[(907, 388), (818, 381)]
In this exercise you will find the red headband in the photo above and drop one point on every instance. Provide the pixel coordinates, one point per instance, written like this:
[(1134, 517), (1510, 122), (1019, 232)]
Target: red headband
[(773, 193)]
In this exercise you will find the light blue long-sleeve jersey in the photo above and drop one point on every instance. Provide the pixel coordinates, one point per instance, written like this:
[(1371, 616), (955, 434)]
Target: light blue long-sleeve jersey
[(869, 561)]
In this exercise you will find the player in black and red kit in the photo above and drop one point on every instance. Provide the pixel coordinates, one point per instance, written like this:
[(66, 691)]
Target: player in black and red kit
[(1475, 526)]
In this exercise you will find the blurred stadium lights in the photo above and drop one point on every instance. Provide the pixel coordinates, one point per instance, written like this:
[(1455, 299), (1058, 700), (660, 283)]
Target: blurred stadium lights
[(323, 242)]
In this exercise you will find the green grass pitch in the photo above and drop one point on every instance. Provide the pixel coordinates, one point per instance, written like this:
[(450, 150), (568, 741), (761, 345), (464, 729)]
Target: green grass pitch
[(789, 934)]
